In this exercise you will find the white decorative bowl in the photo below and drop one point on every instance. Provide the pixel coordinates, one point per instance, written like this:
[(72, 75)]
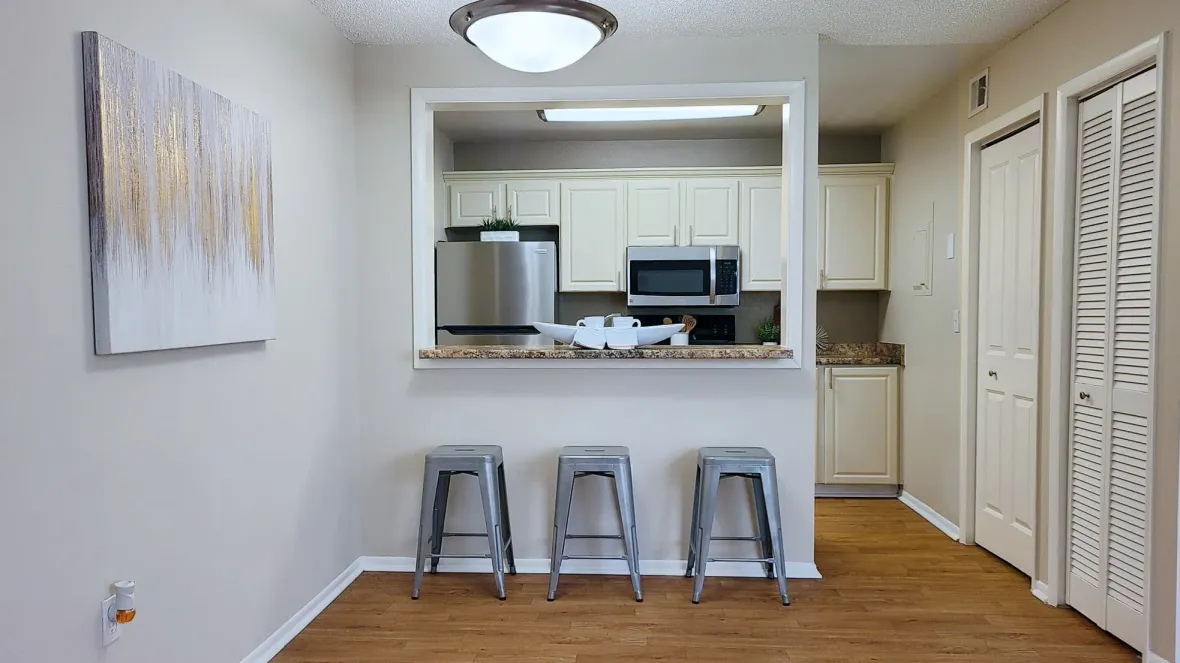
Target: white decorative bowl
[(559, 333), (644, 335), (653, 335)]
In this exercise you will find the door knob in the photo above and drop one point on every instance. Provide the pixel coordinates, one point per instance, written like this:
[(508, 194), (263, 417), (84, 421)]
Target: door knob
[(1084, 396), (993, 374)]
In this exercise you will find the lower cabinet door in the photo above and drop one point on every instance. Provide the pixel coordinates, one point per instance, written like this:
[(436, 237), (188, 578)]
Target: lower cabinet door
[(860, 425)]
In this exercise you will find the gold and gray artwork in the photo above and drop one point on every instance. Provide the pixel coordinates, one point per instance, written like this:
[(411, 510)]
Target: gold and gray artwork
[(181, 222)]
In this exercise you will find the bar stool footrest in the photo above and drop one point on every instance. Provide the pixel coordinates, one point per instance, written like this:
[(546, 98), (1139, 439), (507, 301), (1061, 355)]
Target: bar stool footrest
[(594, 536), (759, 560), (735, 538), (622, 557), (459, 556), (481, 535)]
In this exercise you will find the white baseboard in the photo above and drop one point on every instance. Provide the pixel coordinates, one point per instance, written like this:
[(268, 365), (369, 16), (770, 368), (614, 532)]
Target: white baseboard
[(1041, 591), (287, 632), (647, 567), (935, 518), (1154, 658), (867, 491), (666, 567)]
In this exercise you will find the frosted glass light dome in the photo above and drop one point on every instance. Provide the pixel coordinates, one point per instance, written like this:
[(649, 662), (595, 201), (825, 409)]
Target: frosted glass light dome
[(534, 36)]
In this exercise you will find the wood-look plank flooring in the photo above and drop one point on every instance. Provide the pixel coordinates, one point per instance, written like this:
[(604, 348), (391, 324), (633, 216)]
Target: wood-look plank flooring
[(894, 589)]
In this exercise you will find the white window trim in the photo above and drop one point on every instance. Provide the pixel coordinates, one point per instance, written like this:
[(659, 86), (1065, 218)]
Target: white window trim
[(425, 101), (1143, 56)]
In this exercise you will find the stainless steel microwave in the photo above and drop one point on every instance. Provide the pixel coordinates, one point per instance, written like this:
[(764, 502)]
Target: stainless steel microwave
[(683, 275)]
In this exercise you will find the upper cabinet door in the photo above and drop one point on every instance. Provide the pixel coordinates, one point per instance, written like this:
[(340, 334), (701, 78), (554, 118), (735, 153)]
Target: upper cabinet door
[(592, 235), (711, 213), (653, 212), (534, 202), (853, 232), (761, 217), (472, 202)]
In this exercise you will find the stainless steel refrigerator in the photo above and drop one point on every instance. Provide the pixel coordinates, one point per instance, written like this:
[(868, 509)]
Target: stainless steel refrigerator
[(490, 293)]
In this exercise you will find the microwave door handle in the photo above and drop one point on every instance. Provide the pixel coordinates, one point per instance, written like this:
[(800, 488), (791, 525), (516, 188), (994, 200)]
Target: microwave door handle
[(712, 275)]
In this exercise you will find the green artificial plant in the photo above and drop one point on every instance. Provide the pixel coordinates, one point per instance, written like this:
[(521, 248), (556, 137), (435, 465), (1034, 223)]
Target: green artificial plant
[(769, 331), (497, 223)]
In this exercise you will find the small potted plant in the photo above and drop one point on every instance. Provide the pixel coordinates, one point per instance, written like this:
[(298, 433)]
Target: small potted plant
[(768, 332), (498, 228)]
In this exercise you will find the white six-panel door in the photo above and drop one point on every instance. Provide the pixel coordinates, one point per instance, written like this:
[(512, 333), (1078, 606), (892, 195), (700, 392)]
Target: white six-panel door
[(1112, 408), (1009, 313)]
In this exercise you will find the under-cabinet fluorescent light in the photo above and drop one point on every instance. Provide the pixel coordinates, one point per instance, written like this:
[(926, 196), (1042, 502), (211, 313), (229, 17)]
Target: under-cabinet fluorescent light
[(648, 114)]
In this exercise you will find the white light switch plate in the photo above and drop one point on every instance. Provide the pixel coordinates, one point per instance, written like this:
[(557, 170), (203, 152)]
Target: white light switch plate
[(110, 628), (950, 246), (956, 321)]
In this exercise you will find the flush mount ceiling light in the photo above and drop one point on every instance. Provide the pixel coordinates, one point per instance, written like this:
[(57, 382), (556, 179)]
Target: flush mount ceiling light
[(648, 114), (534, 36)]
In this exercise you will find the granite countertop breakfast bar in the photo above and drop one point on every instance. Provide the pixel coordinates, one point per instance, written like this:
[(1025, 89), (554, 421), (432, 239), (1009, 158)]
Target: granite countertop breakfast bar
[(861, 354), (570, 352), (838, 354)]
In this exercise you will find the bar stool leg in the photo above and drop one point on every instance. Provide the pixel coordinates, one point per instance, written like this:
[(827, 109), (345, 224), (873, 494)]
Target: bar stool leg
[(626, 492), (561, 521), (504, 516), (692, 530), (430, 479), (764, 544), (774, 520), (710, 478), (490, 493), (440, 517)]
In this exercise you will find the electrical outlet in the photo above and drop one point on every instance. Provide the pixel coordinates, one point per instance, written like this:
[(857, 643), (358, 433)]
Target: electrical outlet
[(955, 321), (950, 246), (110, 628)]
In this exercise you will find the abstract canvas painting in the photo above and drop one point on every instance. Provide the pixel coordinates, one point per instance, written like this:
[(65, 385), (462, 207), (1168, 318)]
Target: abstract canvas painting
[(181, 222)]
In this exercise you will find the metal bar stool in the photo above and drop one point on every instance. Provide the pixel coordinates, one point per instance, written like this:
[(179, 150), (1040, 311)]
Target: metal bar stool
[(756, 464), (486, 463), (577, 462)]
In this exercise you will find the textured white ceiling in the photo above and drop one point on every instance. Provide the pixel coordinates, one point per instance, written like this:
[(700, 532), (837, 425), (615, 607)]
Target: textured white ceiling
[(911, 22)]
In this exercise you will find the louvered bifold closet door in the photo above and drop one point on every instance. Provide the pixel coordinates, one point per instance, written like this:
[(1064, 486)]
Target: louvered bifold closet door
[(1088, 522), (1114, 308), (1131, 407)]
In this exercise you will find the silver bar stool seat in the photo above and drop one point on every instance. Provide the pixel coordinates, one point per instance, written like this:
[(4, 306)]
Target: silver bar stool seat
[(486, 463), (574, 463), (757, 465)]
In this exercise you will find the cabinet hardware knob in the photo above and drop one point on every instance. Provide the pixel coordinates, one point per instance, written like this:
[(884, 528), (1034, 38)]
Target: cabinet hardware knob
[(993, 374), (1084, 396)]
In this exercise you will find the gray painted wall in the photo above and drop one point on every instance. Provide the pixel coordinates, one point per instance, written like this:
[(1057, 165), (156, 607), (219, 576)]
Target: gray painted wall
[(220, 479), (833, 149)]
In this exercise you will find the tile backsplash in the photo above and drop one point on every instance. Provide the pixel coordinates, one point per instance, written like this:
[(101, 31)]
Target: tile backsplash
[(849, 317)]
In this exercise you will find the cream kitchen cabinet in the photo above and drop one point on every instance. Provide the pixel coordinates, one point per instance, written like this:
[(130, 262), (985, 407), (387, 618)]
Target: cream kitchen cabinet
[(534, 202), (710, 212), (854, 229), (474, 201), (654, 212), (858, 429), (593, 235), (760, 221), (682, 212)]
